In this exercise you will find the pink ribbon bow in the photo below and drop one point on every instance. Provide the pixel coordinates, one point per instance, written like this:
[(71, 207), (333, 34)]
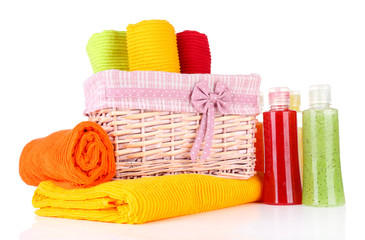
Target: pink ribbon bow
[(205, 102)]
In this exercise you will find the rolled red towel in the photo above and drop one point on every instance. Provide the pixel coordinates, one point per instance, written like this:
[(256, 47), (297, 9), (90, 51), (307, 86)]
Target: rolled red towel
[(194, 52)]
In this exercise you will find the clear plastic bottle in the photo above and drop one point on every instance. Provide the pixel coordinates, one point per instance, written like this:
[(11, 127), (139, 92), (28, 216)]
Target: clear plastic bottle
[(295, 101), (322, 179), (259, 145), (282, 184)]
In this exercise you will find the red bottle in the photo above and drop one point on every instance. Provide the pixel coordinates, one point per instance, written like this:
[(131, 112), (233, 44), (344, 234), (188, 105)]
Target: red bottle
[(282, 184)]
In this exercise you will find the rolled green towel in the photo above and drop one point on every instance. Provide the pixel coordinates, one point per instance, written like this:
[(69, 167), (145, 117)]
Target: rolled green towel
[(108, 50)]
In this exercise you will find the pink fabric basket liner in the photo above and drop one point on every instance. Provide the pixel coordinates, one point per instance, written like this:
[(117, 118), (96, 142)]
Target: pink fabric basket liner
[(163, 91)]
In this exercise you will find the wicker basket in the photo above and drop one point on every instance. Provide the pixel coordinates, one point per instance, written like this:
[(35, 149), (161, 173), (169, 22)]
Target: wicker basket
[(157, 142)]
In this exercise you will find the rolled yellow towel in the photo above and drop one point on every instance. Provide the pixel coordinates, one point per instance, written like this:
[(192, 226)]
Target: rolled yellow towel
[(145, 199), (152, 46)]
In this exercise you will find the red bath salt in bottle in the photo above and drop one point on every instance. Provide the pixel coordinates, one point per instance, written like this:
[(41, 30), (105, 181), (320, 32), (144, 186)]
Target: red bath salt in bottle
[(282, 184)]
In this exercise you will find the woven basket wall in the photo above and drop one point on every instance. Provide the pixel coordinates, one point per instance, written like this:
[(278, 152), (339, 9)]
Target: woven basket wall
[(151, 143)]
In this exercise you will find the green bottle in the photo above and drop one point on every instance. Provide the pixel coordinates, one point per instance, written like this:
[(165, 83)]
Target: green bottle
[(322, 179)]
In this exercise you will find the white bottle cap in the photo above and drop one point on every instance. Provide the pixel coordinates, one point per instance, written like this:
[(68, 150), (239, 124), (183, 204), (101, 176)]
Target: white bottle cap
[(279, 96), (319, 94)]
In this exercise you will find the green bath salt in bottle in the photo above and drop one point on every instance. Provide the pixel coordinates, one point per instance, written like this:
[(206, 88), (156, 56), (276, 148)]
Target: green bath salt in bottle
[(322, 179)]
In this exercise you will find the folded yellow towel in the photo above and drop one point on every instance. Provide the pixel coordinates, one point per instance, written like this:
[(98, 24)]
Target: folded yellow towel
[(146, 199)]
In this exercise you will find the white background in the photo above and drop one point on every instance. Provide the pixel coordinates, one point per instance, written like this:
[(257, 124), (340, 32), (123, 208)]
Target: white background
[(289, 43)]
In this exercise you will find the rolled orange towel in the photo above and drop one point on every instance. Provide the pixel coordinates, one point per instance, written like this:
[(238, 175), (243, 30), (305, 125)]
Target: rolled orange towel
[(74, 158)]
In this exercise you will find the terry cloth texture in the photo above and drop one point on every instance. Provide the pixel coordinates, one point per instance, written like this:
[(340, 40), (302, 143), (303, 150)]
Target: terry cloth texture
[(74, 158), (108, 50), (194, 52), (145, 199), (152, 46)]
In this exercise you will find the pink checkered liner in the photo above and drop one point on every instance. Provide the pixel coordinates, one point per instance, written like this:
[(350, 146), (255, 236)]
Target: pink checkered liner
[(162, 91)]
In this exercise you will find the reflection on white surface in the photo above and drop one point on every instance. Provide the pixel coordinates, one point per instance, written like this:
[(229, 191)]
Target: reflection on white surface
[(250, 221)]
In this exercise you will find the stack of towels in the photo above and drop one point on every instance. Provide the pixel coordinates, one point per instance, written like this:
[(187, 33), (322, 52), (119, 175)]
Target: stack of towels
[(73, 169), (150, 45)]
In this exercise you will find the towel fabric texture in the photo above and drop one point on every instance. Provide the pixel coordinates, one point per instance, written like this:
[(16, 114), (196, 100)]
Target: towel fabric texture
[(152, 46), (194, 52), (108, 50), (145, 199), (75, 158)]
